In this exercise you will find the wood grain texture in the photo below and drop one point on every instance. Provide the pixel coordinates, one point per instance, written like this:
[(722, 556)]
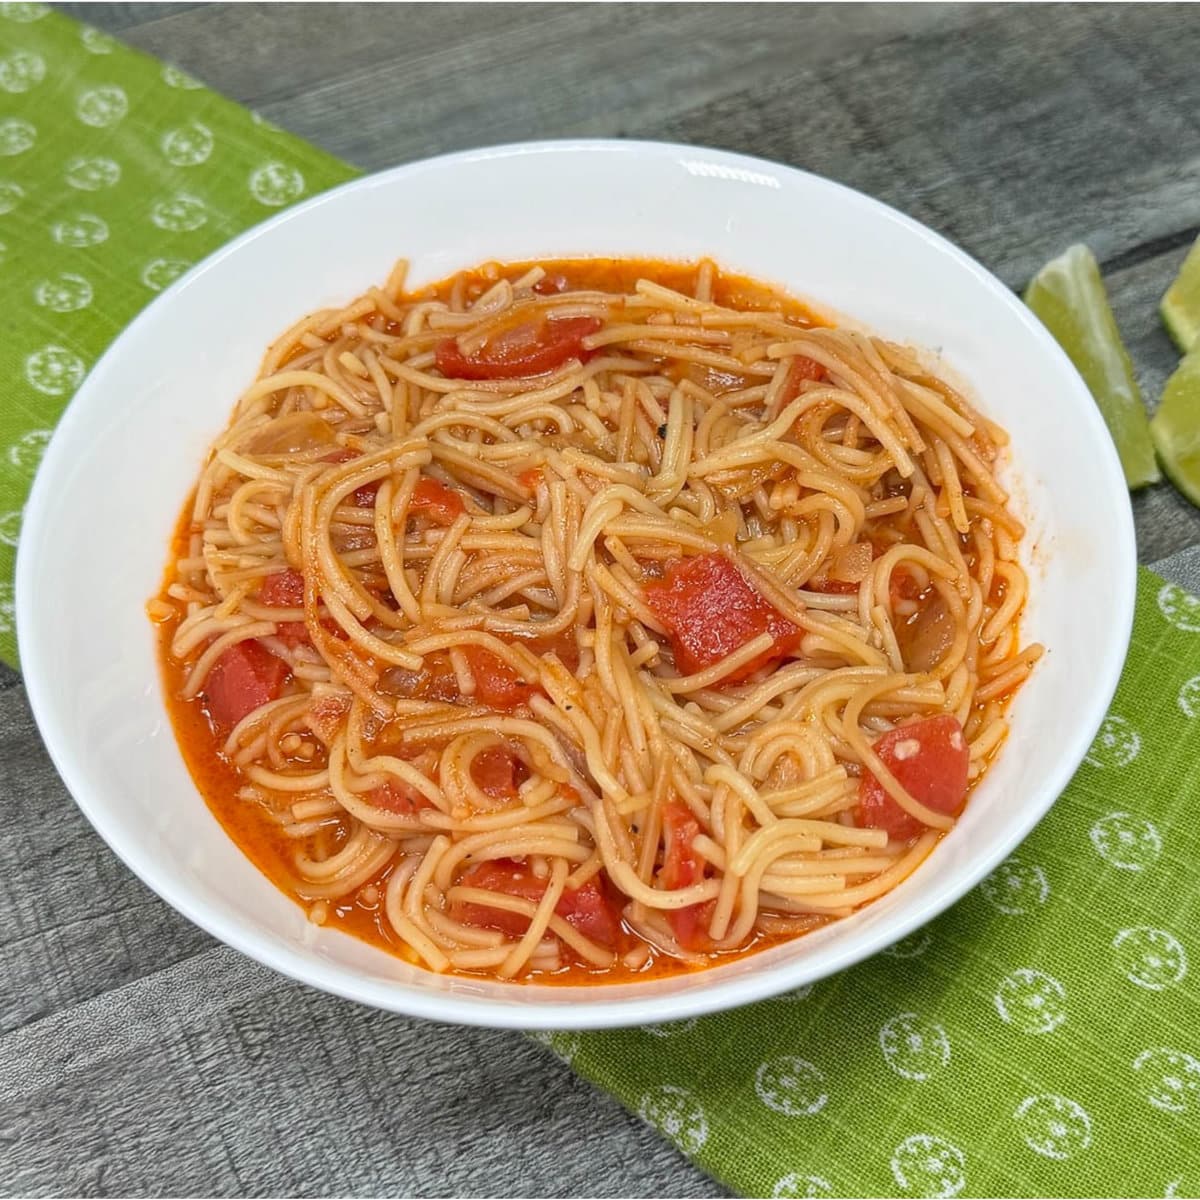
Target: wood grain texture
[(136, 1056)]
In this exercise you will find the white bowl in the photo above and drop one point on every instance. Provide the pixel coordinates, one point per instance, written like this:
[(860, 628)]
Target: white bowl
[(125, 454)]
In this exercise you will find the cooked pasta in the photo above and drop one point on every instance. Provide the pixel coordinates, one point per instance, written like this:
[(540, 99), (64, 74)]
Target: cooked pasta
[(602, 617)]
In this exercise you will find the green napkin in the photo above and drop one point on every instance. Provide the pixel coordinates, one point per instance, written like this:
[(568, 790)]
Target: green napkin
[(117, 173), (1041, 1038)]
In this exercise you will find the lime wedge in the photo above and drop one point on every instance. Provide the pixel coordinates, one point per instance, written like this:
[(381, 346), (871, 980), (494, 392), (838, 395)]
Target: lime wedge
[(1068, 296), (1175, 427), (1180, 306)]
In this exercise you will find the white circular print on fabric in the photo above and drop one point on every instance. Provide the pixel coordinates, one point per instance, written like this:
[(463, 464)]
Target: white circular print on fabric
[(174, 77), (1126, 842), (1150, 958), (10, 527), (21, 70), (63, 293), (1170, 1079), (565, 1043), (912, 946), (1180, 609), (792, 1086), (666, 1029), (1116, 745), (676, 1114), (95, 42), (16, 136), (914, 1047), (926, 1165), (23, 13), (8, 613), (1053, 1126), (796, 995), (1016, 887), (801, 1187), (1189, 698), (189, 145), (1031, 1001), (54, 371), (25, 454), (79, 231), (179, 214), (11, 194), (275, 184), (103, 106), (90, 173), (159, 273)]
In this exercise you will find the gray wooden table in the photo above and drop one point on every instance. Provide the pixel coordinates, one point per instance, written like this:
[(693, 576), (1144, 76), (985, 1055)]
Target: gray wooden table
[(138, 1056)]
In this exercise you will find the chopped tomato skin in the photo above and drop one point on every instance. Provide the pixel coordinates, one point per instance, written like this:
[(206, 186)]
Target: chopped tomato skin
[(244, 678), (282, 589), (531, 348), (710, 611), (588, 908), (433, 499), (497, 772), (496, 684), (930, 759)]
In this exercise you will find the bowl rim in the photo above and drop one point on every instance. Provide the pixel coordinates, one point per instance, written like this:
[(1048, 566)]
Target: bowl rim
[(525, 1010)]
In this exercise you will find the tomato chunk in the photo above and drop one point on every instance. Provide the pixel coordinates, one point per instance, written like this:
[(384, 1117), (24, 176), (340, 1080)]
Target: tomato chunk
[(710, 611), (498, 772), (399, 797), (244, 678), (496, 684), (433, 499), (930, 759), (531, 348), (283, 589), (682, 866), (588, 908)]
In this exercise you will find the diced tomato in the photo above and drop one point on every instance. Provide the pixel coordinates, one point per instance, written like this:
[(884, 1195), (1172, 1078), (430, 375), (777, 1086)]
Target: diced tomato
[(801, 370), (496, 684), (902, 586), (497, 772), (292, 633), (530, 348), (930, 759), (682, 866), (588, 908), (364, 497), (710, 611), (550, 285), (690, 925), (244, 678), (282, 589), (433, 499), (398, 797), (530, 478)]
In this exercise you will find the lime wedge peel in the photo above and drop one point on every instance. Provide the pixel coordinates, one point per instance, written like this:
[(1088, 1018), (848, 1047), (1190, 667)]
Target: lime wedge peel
[(1180, 305), (1175, 427), (1068, 296)]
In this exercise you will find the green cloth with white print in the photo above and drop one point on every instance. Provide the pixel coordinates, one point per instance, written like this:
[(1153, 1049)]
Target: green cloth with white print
[(1041, 1038), (117, 174)]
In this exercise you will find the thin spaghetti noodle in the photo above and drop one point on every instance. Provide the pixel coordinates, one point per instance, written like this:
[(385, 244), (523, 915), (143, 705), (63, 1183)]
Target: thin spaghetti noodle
[(602, 617)]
